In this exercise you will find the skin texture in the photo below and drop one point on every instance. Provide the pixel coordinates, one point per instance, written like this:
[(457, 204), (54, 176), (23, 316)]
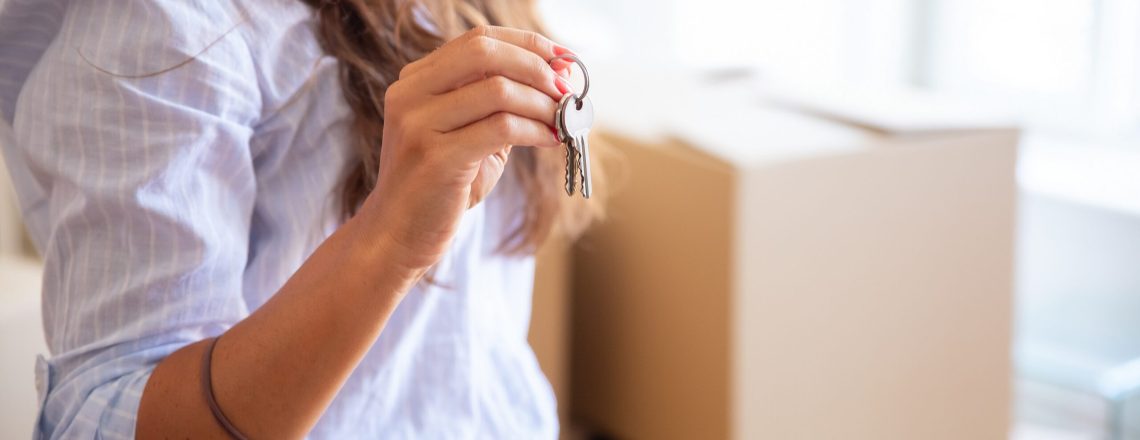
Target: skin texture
[(451, 120)]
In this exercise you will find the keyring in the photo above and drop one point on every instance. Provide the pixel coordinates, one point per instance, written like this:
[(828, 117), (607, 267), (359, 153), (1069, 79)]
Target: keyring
[(585, 74)]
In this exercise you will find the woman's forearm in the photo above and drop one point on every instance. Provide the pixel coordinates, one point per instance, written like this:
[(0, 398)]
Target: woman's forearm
[(276, 371)]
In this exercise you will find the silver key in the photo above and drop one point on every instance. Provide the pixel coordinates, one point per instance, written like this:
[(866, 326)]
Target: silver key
[(571, 168), (571, 152), (574, 117)]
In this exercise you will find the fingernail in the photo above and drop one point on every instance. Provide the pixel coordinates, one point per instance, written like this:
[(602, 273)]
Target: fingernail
[(565, 73), (554, 131), (563, 86), (560, 64)]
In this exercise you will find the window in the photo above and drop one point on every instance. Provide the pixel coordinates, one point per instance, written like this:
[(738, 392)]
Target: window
[(1069, 67)]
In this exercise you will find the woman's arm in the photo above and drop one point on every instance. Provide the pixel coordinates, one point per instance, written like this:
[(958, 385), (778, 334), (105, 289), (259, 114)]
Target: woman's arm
[(275, 372)]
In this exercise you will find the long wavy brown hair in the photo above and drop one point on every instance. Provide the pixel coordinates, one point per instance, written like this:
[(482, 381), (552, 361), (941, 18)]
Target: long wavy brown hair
[(374, 39)]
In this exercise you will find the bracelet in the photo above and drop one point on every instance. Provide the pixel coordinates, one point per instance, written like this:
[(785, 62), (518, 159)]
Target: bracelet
[(208, 390)]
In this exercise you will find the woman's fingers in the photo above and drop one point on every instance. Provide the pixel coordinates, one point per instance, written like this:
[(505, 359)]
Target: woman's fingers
[(490, 88), (489, 135), (488, 57), (519, 55), (486, 97), (531, 41), (534, 42)]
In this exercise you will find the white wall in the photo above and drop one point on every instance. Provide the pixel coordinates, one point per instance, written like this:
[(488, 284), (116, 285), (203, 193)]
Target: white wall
[(21, 339), (861, 41)]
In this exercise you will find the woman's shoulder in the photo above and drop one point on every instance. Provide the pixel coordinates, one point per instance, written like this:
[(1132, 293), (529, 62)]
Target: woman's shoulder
[(267, 48), (138, 38), (123, 53), (260, 51)]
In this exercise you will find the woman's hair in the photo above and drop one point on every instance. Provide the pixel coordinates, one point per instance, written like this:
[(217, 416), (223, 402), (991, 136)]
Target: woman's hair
[(374, 39)]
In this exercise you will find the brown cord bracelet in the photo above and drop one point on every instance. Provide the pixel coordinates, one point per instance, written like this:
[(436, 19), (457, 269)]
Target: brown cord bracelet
[(208, 389)]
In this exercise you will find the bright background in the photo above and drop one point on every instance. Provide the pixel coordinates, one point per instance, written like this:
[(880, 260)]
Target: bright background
[(1071, 66), (1069, 70)]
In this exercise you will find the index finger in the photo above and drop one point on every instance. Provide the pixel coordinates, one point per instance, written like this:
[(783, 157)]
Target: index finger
[(531, 41)]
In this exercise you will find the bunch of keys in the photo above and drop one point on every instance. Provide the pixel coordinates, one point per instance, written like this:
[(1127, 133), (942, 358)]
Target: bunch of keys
[(572, 120)]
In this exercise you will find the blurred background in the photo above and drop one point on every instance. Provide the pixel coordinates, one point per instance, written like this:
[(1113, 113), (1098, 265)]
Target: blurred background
[(1064, 73), (829, 219)]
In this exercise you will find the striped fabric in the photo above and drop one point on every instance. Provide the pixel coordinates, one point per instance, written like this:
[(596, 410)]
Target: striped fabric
[(176, 161)]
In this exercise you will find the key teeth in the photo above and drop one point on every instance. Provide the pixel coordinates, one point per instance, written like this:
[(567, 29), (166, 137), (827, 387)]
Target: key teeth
[(569, 170)]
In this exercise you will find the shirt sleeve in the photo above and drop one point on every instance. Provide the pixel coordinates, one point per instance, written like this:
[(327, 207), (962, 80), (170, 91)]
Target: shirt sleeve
[(135, 128)]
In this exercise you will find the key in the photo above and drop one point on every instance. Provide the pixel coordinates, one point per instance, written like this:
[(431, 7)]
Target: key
[(571, 152), (575, 116), (571, 168)]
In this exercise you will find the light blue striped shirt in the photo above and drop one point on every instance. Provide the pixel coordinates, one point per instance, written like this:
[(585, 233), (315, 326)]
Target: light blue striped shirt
[(169, 206)]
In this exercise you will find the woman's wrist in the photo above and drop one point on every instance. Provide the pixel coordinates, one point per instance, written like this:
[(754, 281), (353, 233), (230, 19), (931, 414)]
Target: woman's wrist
[(373, 246)]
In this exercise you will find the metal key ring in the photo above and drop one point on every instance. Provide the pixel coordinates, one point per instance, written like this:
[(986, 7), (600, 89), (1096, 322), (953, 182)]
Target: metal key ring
[(585, 74)]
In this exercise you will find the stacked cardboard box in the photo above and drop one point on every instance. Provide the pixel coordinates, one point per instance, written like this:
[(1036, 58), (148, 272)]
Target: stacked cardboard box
[(769, 273)]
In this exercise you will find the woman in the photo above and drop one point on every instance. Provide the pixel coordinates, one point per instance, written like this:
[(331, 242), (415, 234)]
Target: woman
[(279, 219)]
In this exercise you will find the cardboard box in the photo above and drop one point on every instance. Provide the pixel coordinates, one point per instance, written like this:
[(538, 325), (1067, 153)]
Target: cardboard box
[(768, 274)]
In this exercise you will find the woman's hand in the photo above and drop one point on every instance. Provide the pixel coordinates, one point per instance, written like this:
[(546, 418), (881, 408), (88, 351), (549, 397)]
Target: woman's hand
[(450, 122)]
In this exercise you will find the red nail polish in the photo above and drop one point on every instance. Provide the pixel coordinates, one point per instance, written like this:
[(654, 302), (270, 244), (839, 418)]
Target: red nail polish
[(559, 50), (554, 131), (560, 64), (563, 86)]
